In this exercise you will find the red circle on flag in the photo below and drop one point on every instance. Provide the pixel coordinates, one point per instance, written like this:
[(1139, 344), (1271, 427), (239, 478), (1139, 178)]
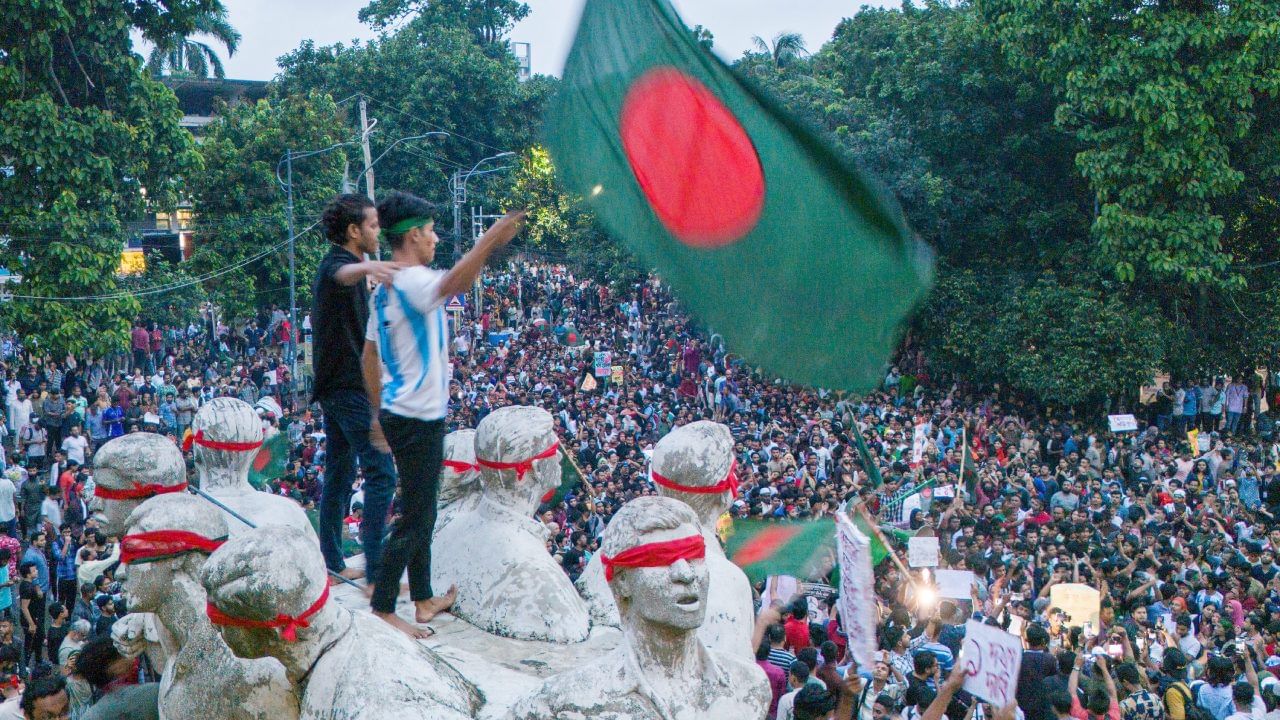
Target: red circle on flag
[(692, 159)]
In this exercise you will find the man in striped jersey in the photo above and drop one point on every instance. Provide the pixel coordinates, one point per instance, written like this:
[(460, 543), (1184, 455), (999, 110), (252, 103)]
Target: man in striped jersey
[(406, 374)]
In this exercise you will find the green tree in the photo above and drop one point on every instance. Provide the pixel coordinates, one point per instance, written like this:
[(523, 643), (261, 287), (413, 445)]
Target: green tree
[(179, 54), (426, 78), (82, 132), (1157, 94), (241, 214), (178, 304), (785, 48), (489, 21)]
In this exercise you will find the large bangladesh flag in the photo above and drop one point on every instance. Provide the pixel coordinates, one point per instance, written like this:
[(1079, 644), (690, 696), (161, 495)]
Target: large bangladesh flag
[(759, 225)]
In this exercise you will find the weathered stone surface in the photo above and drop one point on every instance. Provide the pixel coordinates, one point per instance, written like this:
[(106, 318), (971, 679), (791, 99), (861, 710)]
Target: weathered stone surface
[(662, 670), (699, 454), (128, 462), (224, 474), (202, 678), (343, 665), (496, 553), (459, 488)]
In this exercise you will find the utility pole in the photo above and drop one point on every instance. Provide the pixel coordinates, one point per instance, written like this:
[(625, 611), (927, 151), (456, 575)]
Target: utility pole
[(293, 281), (459, 196), (365, 129)]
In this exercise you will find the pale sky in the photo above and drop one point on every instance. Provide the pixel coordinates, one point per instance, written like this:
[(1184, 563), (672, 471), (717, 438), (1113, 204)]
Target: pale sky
[(271, 29)]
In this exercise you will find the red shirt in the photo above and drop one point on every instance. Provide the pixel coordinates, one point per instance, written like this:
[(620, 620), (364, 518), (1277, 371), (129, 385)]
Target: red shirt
[(797, 634)]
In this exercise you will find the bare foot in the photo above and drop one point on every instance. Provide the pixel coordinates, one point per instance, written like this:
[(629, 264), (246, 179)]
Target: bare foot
[(403, 626), (367, 590), (352, 573), (426, 610)]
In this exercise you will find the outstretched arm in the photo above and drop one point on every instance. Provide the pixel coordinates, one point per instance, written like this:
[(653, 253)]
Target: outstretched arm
[(463, 275)]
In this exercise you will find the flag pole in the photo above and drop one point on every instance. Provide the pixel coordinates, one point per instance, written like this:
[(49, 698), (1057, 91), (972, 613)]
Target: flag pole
[(861, 509), (223, 507)]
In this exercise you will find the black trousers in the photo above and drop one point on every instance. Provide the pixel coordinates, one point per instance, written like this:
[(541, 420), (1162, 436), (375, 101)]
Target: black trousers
[(418, 448)]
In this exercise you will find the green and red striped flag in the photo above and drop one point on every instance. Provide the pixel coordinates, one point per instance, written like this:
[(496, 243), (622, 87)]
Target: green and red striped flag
[(270, 462), (761, 548), (760, 226)]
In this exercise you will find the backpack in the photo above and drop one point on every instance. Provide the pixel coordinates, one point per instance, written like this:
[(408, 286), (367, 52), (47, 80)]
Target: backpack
[(1191, 710)]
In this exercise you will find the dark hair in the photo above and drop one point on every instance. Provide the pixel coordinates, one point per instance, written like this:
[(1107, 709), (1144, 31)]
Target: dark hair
[(342, 212), (830, 651), (1037, 636), (5, 555), (1060, 701), (813, 702), (923, 661), (56, 609), (809, 656), (400, 206), (95, 659), (762, 652), (799, 670), (892, 636), (777, 634), (1220, 671), (1067, 660), (1128, 672), (39, 690), (1242, 693), (24, 567)]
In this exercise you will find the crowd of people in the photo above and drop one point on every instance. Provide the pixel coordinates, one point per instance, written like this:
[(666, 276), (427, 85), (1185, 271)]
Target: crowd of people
[(1175, 523)]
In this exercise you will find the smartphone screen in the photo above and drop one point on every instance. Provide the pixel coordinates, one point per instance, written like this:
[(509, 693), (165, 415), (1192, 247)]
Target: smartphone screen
[(1115, 650)]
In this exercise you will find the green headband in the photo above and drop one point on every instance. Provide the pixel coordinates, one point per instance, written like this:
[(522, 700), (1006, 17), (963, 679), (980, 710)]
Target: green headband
[(406, 225)]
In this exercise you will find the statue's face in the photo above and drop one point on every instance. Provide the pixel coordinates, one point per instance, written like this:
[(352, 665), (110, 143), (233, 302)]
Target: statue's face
[(111, 514), (546, 475), (147, 584), (248, 643), (674, 596)]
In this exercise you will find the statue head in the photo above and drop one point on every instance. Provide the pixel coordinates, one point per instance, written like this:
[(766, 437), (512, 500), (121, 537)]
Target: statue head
[(130, 469), (164, 537), (460, 475), (516, 448), (653, 556), (694, 464), (267, 591), (226, 436)]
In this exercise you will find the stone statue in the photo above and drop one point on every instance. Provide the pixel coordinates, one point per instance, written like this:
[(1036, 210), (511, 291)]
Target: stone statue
[(694, 464), (130, 469), (226, 436), (269, 597), (653, 551), (459, 478), (127, 471), (166, 542), (495, 552)]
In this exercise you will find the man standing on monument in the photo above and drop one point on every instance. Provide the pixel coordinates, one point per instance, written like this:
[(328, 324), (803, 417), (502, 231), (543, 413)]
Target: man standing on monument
[(339, 314), (406, 374)]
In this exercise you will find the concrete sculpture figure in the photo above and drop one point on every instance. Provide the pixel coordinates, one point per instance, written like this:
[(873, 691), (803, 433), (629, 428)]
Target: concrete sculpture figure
[(268, 596), (495, 552), (694, 464), (226, 436), (459, 478), (654, 554), (166, 542), (130, 469)]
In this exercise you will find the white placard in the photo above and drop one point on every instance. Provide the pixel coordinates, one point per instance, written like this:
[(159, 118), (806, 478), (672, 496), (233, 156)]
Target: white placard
[(1082, 603), (857, 601), (944, 491), (1123, 423), (922, 552), (992, 659), (954, 584), (1017, 625)]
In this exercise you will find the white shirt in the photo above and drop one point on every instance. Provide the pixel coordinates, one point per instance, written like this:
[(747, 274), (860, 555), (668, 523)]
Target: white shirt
[(7, 490), (11, 709), (407, 322), (787, 704), (51, 511), (74, 446)]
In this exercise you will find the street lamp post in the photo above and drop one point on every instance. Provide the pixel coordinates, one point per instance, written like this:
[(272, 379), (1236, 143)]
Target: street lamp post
[(459, 187)]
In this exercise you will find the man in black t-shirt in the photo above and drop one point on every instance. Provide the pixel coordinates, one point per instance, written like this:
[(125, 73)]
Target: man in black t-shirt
[(339, 315), (33, 603)]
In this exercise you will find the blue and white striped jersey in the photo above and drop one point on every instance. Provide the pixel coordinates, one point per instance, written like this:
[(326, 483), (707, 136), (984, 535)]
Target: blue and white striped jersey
[(406, 320)]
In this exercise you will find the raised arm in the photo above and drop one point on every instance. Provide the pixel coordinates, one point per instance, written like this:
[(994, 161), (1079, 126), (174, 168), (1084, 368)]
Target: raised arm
[(463, 274)]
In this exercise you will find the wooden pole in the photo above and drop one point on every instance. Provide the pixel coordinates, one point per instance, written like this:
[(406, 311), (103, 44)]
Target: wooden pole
[(871, 523)]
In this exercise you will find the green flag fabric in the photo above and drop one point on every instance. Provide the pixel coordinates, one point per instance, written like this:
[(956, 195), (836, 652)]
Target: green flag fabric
[(270, 462), (878, 550), (804, 550), (569, 479), (759, 225)]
